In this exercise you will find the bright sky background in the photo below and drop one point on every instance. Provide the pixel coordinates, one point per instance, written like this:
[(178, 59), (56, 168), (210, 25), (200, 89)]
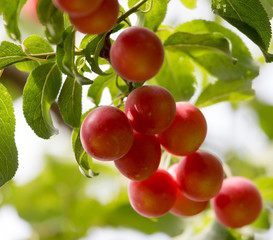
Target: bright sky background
[(225, 130)]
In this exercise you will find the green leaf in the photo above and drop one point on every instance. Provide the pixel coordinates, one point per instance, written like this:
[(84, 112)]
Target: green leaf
[(10, 53), (8, 152), (34, 45), (94, 47), (156, 15), (26, 66), (220, 65), (195, 44), (40, 92), (251, 19), (268, 7), (156, 12), (265, 186), (11, 11), (235, 90), (86, 40), (66, 56), (96, 89), (177, 75), (82, 158), (205, 49), (265, 115), (52, 19), (177, 71), (70, 102), (189, 3)]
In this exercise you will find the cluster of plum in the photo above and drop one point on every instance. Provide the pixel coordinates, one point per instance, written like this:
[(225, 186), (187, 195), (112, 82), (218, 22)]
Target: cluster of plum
[(133, 140), (152, 120)]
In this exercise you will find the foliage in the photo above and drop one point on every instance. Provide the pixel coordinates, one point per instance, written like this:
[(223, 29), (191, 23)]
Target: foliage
[(205, 63)]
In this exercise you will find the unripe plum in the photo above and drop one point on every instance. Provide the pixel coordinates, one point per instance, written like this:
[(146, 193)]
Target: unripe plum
[(143, 158), (186, 133), (77, 8), (183, 206), (154, 196), (150, 109), (137, 54), (99, 21), (200, 176), (106, 133), (238, 203)]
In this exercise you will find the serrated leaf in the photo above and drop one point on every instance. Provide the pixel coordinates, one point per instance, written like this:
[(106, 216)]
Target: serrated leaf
[(10, 53), (219, 65), (52, 19), (189, 3), (82, 158), (236, 90), (65, 56), (11, 11), (268, 7), (34, 45), (250, 18), (97, 87), (40, 92), (8, 152), (70, 103)]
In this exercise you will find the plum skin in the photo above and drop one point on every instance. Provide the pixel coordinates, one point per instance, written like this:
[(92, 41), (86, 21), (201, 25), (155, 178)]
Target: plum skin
[(183, 206), (106, 133), (186, 133), (200, 176), (151, 109), (77, 8), (143, 158), (154, 196), (99, 21), (238, 203), (137, 54)]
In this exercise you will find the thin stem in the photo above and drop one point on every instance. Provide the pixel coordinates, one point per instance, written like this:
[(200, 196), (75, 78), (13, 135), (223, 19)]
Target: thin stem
[(227, 170), (130, 11), (149, 8), (81, 66), (42, 55), (165, 160), (46, 56)]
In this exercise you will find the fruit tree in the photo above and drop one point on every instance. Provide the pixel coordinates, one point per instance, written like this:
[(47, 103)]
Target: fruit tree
[(132, 85)]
